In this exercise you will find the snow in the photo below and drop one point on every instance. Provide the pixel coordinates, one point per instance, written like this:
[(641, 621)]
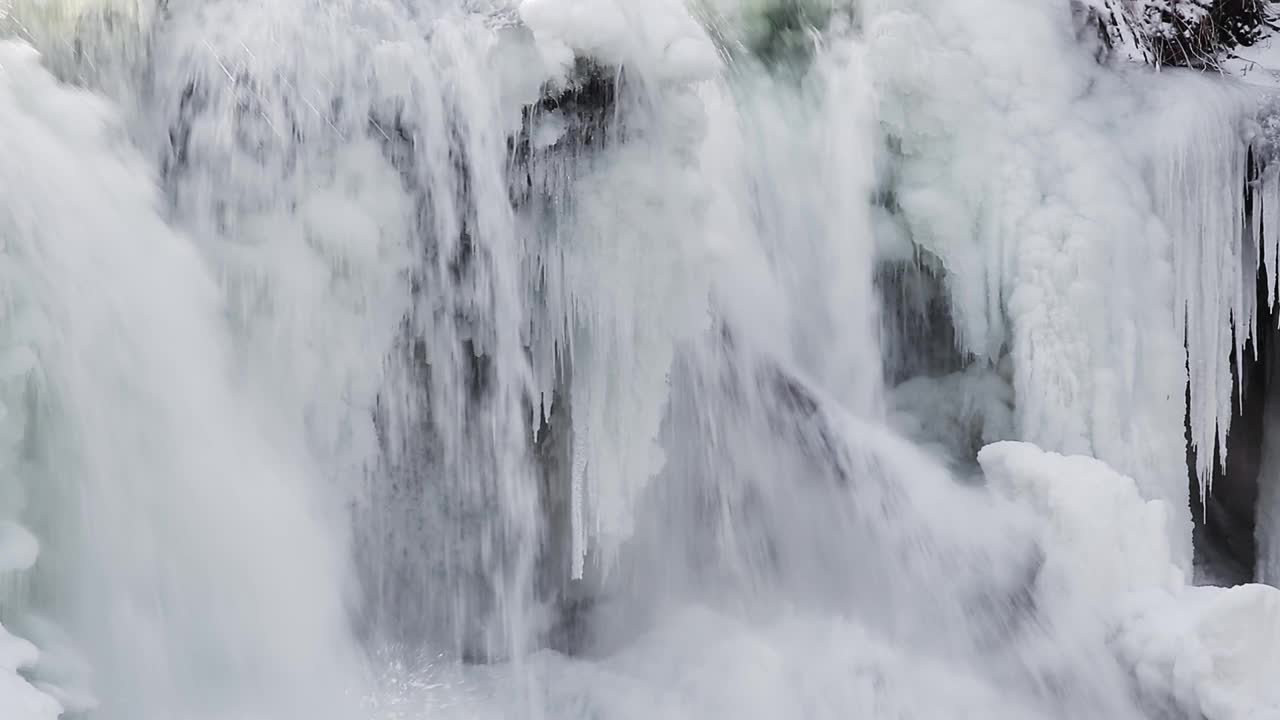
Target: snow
[(1021, 180), (1108, 595), (661, 40), (961, 412), (1106, 539), (1084, 218), (1212, 650), (1208, 651), (1128, 38), (1156, 18), (1258, 64)]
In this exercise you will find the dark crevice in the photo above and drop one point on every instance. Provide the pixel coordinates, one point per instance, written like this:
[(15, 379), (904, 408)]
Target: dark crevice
[(423, 549), (918, 336), (1225, 526)]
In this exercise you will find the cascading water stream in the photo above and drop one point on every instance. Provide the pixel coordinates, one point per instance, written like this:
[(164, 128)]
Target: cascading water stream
[(169, 524), (476, 358)]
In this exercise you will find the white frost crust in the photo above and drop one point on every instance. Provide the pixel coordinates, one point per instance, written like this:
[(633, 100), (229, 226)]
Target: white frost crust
[(1208, 651)]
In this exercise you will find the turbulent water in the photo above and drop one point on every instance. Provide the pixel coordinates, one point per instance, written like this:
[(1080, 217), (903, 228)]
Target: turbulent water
[(368, 359)]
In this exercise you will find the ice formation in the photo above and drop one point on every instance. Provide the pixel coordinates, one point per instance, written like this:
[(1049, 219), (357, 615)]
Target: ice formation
[(999, 196), (114, 330), (1062, 180), (526, 359), (1205, 651)]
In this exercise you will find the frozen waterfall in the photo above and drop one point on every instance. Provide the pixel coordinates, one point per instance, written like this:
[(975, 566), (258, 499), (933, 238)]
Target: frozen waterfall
[(386, 359)]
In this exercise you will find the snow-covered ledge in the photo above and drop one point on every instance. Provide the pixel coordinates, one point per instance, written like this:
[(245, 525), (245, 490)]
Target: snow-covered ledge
[(1205, 651)]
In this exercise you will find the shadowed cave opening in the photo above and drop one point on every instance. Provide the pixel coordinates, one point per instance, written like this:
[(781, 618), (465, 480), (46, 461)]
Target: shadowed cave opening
[(1229, 521), (1225, 520)]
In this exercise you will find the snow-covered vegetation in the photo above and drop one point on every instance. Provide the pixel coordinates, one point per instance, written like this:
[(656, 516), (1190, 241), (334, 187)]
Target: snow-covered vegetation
[(1179, 32)]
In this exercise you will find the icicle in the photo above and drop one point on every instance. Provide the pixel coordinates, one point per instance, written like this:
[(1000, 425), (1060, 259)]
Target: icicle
[(577, 511), (1200, 197), (1267, 204)]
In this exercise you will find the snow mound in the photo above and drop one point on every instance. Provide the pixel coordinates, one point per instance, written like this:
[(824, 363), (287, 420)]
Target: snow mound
[(1087, 218), (1107, 539), (1212, 650), (1206, 651)]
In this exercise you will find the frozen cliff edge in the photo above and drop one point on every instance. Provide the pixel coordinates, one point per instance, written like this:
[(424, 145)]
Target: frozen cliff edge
[(1207, 651), (1098, 229)]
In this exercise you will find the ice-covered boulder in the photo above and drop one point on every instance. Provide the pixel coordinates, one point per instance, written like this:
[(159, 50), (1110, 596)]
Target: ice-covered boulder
[(1207, 652)]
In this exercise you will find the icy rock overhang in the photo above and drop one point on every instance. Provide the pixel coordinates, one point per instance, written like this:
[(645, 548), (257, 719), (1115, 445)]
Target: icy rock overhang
[(1096, 227)]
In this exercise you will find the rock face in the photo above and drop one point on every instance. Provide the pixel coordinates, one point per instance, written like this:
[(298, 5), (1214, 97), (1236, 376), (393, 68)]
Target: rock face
[(1226, 520)]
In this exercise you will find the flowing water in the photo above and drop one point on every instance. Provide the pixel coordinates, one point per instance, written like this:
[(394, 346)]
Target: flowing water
[(357, 360)]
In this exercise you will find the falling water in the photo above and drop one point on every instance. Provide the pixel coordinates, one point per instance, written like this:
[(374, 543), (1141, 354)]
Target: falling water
[(371, 359)]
